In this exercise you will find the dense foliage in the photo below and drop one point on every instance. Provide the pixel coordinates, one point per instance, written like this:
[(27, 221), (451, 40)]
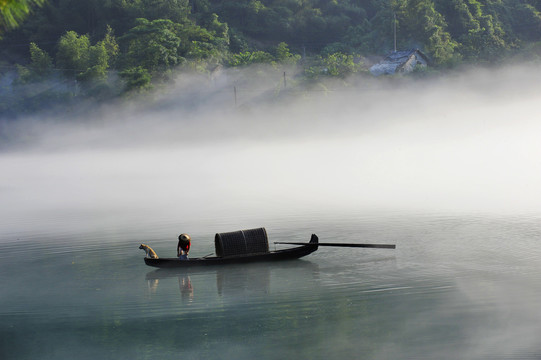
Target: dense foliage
[(12, 12), (104, 48)]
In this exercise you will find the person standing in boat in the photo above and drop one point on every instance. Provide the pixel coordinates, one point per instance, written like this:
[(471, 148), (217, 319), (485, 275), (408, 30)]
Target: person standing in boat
[(183, 247)]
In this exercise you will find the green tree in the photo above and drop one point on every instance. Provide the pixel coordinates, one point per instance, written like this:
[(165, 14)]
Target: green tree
[(13, 12), (480, 35), (41, 63), (422, 23), (486, 43), (77, 57), (340, 65), (40, 66), (334, 65), (462, 16), (248, 58), (283, 55), (196, 42), (174, 10), (219, 31), (137, 78), (375, 35), (152, 45), (73, 53), (111, 46), (525, 20), (97, 65)]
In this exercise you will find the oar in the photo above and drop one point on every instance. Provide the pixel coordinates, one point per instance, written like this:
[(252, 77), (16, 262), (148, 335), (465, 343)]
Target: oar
[(376, 246)]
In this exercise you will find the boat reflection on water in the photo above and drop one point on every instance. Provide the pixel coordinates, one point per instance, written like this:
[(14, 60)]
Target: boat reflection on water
[(235, 280), (152, 284), (184, 284), (186, 288)]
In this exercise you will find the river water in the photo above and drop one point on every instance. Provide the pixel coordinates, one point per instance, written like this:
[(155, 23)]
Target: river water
[(456, 188), (456, 287)]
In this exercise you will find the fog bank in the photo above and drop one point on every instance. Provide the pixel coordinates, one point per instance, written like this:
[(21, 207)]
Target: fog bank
[(467, 142)]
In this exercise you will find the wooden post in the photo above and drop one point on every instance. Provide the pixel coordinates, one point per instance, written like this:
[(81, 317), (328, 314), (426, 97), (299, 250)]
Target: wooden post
[(285, 82), (235, 92), (394, 27)]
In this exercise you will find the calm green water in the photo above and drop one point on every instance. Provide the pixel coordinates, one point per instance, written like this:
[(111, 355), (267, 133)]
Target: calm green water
[(456, 287)]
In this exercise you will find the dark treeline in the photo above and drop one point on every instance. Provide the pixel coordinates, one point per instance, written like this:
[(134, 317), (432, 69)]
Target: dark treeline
[(110, 48)]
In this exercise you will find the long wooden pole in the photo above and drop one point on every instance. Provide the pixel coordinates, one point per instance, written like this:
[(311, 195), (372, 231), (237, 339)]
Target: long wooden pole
[(394, 26), (375, 246)]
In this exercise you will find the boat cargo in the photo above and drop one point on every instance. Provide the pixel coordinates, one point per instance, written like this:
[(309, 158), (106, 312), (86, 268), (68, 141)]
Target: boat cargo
[(243, 246)]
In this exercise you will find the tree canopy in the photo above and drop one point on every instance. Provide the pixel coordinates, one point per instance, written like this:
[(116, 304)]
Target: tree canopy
[(12, 12), (132, 45)]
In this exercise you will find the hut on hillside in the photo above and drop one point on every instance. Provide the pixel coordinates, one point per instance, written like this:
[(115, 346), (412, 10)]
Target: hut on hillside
[(400, 62)]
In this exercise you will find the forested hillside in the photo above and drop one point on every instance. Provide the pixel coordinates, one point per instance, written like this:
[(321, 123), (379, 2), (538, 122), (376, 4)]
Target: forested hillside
[(111, 48)]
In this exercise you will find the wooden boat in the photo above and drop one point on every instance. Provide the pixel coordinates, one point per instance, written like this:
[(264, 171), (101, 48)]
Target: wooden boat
[(278, 255)]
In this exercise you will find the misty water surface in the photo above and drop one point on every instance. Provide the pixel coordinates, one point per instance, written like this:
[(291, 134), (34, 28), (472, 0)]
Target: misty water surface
[(447, 169)]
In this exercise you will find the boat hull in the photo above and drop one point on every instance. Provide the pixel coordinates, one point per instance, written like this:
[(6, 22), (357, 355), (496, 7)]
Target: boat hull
[(279, 255)]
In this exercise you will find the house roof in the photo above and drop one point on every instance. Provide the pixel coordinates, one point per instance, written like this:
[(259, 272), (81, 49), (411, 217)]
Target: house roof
[(392, 62), (403, 56)]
